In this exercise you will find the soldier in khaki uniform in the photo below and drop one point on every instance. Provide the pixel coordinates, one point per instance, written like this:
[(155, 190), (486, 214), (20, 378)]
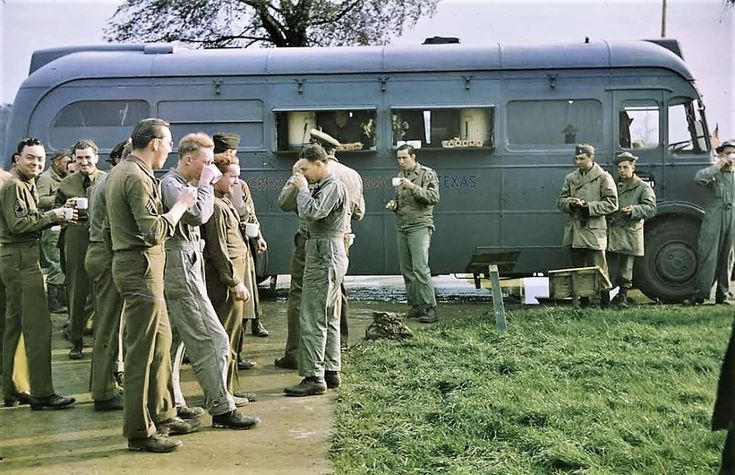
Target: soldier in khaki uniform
[(636, 202), (325, 209), (226, 263), (47, 184), (243, 201), (138, 230), (27, 310), (588, 195), (22, 385), (717, 231), (75, 240), (106, 367), (413, 205)]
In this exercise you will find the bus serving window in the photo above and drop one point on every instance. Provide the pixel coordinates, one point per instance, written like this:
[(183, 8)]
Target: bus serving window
[(639, 125), (686, 132), (554, 122), (354, 128), (443, 128)]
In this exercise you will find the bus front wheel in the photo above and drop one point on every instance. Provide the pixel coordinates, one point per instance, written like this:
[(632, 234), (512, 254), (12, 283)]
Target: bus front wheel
[(668, 270)]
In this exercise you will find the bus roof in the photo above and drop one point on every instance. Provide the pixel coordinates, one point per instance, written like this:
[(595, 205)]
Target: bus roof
[(55, 66)]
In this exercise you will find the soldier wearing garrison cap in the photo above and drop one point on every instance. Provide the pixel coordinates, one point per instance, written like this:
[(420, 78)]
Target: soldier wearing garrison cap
[(636, 202), (587, 196), (718, 226)]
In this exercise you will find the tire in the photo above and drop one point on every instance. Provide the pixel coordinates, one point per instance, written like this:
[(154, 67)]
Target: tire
[(668, 270)]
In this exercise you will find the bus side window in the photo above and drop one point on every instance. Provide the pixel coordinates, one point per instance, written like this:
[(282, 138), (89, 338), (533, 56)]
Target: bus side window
[(639, 125), (553, 123)]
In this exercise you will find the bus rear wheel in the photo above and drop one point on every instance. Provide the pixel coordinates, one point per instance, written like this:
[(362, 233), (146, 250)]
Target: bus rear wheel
[(668, 270)]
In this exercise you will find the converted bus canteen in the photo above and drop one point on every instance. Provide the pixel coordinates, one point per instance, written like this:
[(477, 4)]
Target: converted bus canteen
[(498, 123)]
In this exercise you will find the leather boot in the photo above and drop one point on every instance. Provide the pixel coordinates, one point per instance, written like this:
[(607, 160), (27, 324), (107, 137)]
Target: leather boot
[(257, 328), (76, 350), (604, 298), (55, 300)]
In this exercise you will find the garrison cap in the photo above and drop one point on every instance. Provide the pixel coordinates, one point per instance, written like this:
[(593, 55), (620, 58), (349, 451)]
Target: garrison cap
[(325, 140), (585, 149), (625, 157), (224, 142), (726, 143)]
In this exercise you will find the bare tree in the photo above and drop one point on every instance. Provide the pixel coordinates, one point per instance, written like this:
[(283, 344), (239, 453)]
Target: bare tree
[(242, 23)]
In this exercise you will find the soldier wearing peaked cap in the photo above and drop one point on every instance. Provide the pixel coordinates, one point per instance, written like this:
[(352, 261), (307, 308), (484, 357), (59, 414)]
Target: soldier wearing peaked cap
[(718, 226), (587, 196), (636, 202)]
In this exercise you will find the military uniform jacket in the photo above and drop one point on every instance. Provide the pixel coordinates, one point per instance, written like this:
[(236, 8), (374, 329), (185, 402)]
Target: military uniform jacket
[(242, 198), (586, 228), (722, 184), (99, 226), (20, 219), (134, 207), (74, 186), (224, 242), (416, 206), (287, 202), (625, 233), (324, 209), (47, 184), (353, 184)]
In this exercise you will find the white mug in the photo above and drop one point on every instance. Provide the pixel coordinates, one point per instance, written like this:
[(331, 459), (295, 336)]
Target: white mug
[(82, 203), (396, 181), (217, 173), (252, 229)]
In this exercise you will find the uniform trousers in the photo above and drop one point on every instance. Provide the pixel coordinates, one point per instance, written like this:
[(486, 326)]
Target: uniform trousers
[(325, 266), (715, 254), (621, 269), (196, 327), (294, 300), (78, 282), (229, 311), (50, 247), (27, 313), (108, 311), (413, 253), (148, 395)]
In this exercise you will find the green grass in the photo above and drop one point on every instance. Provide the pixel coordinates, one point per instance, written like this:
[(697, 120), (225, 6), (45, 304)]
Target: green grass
[(564, 391)]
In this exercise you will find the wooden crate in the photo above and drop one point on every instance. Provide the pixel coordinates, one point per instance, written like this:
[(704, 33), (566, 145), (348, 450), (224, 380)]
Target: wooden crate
[(578, 282)]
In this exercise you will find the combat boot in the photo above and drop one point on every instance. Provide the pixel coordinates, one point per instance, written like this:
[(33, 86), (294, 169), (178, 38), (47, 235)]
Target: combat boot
[(234, 420), (429, 315), (604, 298), (257, 328), (622, 298), (415, 312), (76, 350), (309, 386), (55, 300), (333, 379)]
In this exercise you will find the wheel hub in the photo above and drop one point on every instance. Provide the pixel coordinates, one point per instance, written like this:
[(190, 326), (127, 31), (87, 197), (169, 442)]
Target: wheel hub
[(676, 263)]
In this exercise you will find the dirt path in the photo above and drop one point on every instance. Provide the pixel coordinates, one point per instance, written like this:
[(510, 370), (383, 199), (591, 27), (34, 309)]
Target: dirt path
[(293, 437)]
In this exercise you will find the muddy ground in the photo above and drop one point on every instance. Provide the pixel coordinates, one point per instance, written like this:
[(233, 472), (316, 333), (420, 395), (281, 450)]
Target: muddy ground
[(293, 437)]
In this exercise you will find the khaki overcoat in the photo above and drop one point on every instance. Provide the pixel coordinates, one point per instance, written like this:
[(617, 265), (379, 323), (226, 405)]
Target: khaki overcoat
[(625, 233), (586, 227)]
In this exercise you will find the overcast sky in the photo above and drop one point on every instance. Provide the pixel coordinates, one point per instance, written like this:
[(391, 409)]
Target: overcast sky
[(705, 28)]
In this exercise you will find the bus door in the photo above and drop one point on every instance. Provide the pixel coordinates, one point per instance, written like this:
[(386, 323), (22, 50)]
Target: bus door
[(640, 121)]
